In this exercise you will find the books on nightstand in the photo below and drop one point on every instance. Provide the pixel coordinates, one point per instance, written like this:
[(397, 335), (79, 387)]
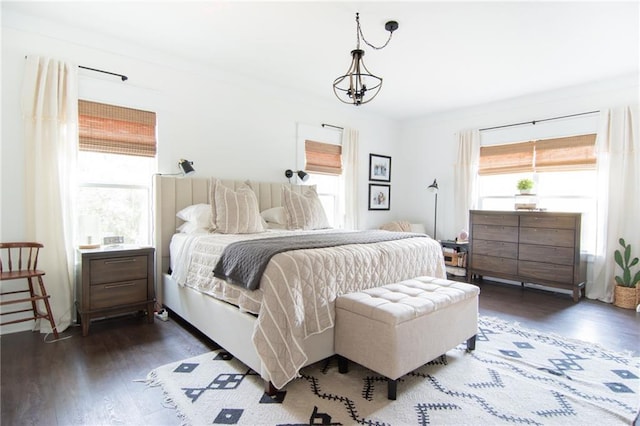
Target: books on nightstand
[(456, 271)]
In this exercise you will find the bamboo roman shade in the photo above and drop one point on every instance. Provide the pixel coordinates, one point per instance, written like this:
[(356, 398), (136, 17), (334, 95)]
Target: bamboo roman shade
[(509, 158), (116, 130), (558, 154), (323, 158)]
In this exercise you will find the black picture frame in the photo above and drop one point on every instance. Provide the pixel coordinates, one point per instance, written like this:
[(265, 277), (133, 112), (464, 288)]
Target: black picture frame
[(379, 196), (379, 168)]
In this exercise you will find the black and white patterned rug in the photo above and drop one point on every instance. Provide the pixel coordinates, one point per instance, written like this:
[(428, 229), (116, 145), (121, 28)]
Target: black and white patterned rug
[(515, 376)]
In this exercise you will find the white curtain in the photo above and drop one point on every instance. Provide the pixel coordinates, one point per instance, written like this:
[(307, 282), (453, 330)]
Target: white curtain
[(466, 177), (618, 151), (50, 115), (350, 165)]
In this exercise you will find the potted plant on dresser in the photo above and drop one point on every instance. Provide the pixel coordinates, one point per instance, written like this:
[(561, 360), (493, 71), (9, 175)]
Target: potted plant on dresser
[(626, 292), (525, 186)]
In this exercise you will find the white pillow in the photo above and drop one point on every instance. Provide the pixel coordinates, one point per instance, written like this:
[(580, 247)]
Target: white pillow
[(275, 215), (197, 215), (304, 211), (236, 211), (191, 228)]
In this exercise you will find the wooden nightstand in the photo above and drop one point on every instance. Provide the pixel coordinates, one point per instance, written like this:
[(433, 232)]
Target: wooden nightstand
[(113, 281)]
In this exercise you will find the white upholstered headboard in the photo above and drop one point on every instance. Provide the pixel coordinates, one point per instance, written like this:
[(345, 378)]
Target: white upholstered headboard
[(172, 194)]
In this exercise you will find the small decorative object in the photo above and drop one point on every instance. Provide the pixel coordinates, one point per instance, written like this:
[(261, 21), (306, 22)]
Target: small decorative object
[(379, 197), (525, 185), (463, 237), (380, 167), (526, 202), (626, 294)]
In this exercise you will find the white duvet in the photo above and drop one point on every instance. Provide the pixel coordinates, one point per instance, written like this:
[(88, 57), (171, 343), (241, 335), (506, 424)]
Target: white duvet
[(298, 289)]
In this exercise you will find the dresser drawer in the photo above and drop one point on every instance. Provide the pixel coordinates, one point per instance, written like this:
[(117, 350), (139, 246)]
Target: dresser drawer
[(547, 221), (498, 265), (494, 219), (495, 233), (546, 236), (546, 271), (495, 248), (118, 269), (118, 293), (550, 254)]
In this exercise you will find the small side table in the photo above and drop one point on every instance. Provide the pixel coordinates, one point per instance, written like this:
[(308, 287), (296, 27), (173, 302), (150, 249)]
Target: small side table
[(114, 280), (455, 258)]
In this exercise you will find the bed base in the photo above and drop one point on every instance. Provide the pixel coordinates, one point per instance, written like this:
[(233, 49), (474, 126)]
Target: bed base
[(232, 329)]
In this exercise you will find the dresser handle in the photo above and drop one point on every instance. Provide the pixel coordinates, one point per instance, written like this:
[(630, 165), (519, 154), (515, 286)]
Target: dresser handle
[(119, 285), (110, 262)]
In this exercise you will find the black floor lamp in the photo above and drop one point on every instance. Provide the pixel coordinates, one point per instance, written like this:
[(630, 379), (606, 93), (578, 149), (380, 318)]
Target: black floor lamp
[(434, 188)]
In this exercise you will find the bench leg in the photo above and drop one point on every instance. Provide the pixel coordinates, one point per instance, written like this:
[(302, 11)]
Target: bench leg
[(471, 343), (269, 389), (343, 364), (392, 389)]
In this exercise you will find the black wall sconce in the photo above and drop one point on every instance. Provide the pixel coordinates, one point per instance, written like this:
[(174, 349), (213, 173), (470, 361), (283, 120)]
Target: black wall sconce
[(186, 167), (302, 175)]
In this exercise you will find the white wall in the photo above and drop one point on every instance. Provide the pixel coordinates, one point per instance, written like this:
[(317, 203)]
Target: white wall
[(229, 126), (429, 145)]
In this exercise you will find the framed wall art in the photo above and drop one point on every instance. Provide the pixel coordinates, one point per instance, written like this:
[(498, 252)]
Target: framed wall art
[(379, 196), (380, 167)]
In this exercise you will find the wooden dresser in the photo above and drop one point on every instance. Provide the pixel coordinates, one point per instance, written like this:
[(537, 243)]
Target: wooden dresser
[(114, 281), (530, 247)]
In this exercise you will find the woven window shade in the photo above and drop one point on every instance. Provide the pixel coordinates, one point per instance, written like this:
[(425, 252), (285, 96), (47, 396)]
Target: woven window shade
[(323, 158), (509, 158), (570, 153), (116, 130)]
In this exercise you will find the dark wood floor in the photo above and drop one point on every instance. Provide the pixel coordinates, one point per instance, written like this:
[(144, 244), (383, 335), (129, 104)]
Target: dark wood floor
[(93, 380)]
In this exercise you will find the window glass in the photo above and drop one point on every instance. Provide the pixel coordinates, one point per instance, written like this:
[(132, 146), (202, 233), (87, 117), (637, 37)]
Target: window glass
[(328, 188), (114, 197)]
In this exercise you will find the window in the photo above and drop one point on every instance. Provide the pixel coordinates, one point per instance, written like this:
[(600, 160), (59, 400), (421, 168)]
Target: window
[(116, 161), (563, 170), (323, 162)]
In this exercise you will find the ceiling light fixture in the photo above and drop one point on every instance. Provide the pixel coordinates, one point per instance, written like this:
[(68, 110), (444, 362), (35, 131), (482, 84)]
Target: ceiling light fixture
[(352, 87)]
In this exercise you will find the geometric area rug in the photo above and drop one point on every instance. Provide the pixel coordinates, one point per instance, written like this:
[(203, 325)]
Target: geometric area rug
[(514, 376)]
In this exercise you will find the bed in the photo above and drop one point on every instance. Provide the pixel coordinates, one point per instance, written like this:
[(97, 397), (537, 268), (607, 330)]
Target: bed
[(287, 322)]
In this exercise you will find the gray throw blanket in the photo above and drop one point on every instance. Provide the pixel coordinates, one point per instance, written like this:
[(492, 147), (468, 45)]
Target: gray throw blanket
[(243, 262)]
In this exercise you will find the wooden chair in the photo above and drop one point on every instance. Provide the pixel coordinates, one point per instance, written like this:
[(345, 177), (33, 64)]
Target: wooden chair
[(19, 260)]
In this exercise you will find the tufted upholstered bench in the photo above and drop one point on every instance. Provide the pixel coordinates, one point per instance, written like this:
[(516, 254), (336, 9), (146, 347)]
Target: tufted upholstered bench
[(399, 327)]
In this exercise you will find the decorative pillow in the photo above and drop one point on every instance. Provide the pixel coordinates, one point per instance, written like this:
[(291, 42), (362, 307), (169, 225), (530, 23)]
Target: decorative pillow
[(236, 211), (304, 211), (191, 228), (196, 215), (275, 215)]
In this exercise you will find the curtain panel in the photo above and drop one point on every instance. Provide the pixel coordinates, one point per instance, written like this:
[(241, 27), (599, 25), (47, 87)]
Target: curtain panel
[(466, 177), (350, 139), (50, 116), (618, 168)]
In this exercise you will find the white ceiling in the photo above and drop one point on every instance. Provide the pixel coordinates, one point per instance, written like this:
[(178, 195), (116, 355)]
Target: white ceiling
[(445, 55)]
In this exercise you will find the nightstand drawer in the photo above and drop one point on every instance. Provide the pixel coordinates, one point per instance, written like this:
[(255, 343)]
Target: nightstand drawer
[(118, 269), (119, 293)]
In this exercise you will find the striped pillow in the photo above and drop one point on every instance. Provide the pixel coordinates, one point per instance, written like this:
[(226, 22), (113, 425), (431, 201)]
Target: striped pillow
[(304, 210), (236, 211)]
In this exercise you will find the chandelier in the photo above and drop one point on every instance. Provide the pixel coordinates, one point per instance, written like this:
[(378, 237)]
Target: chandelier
[(359, 82)]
